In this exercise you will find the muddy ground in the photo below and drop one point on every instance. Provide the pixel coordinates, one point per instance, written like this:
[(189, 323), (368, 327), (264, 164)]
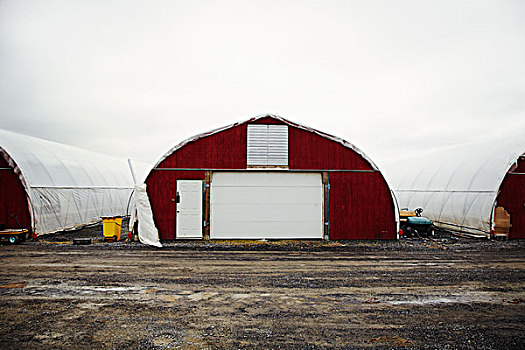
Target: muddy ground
[(413, 293)]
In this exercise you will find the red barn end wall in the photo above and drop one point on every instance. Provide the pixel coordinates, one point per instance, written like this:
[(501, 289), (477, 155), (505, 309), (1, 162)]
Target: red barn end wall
[(14, 208), (360, 203), (512, 198)]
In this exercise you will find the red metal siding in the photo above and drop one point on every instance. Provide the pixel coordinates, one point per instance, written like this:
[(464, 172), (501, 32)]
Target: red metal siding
[(267, 120), (311, 151), (224, 150), (161, 187), (512, 198), (361, 205), (14, 209)]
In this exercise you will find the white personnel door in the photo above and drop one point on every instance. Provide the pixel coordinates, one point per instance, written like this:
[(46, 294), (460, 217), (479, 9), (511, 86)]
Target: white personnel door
[(271, 205), (189, 209)]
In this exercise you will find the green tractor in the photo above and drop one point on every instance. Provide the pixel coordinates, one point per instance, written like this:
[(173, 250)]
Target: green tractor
[(412, 224)]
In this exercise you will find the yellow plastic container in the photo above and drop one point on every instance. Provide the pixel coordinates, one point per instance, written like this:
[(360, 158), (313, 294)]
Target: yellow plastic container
[(111, 227)]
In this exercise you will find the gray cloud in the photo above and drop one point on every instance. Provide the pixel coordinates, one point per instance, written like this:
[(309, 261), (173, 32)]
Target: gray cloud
[(133, 80)]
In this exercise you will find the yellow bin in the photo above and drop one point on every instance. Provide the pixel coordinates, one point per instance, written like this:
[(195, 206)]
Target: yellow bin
[(111, 227)]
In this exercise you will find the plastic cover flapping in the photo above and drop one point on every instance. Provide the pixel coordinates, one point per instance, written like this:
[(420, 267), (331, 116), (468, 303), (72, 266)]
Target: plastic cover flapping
[(457, 187), (147, 232), (66, 187)]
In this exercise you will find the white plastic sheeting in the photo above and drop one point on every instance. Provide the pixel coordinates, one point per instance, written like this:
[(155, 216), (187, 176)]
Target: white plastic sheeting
[(148, 233), (456, 187), (66, 187)]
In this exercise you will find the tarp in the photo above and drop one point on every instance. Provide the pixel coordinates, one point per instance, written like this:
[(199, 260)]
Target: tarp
[(147, 232), (458, 186), (67, 187)]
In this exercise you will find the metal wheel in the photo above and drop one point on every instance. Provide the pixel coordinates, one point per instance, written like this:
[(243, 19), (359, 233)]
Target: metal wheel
[(13, 239)]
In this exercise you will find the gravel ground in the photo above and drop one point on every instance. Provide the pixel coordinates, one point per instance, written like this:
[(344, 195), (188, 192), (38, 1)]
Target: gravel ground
[(412, 294)]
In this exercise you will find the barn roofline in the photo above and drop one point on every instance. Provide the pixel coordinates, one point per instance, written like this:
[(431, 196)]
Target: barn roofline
[(273, 116)]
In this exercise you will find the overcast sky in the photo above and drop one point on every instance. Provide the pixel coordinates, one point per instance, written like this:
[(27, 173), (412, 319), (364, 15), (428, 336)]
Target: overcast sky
[(133, 78)]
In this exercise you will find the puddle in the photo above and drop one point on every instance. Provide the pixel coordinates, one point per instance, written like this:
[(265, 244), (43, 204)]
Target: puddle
[(240, 296), (69, 265), (453, 299), (108, 289), (424, 302), (91, 306), (202, 296), (72, 290)]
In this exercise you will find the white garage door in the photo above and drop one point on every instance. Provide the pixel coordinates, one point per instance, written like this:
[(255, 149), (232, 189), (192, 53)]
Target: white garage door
[(272, 205)]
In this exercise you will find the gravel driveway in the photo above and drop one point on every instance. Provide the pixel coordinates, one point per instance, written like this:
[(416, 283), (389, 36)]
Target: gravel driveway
[(263, 295)]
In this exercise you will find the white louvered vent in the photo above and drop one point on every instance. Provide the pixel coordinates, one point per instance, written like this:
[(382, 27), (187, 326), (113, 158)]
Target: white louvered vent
[(267, 145)]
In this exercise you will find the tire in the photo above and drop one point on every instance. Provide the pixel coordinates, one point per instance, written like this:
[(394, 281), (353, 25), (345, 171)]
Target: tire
[(14, 240), (114, 238)]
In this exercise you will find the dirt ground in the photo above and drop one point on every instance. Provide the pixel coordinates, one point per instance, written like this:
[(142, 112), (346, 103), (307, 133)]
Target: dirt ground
[(442, 294)]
